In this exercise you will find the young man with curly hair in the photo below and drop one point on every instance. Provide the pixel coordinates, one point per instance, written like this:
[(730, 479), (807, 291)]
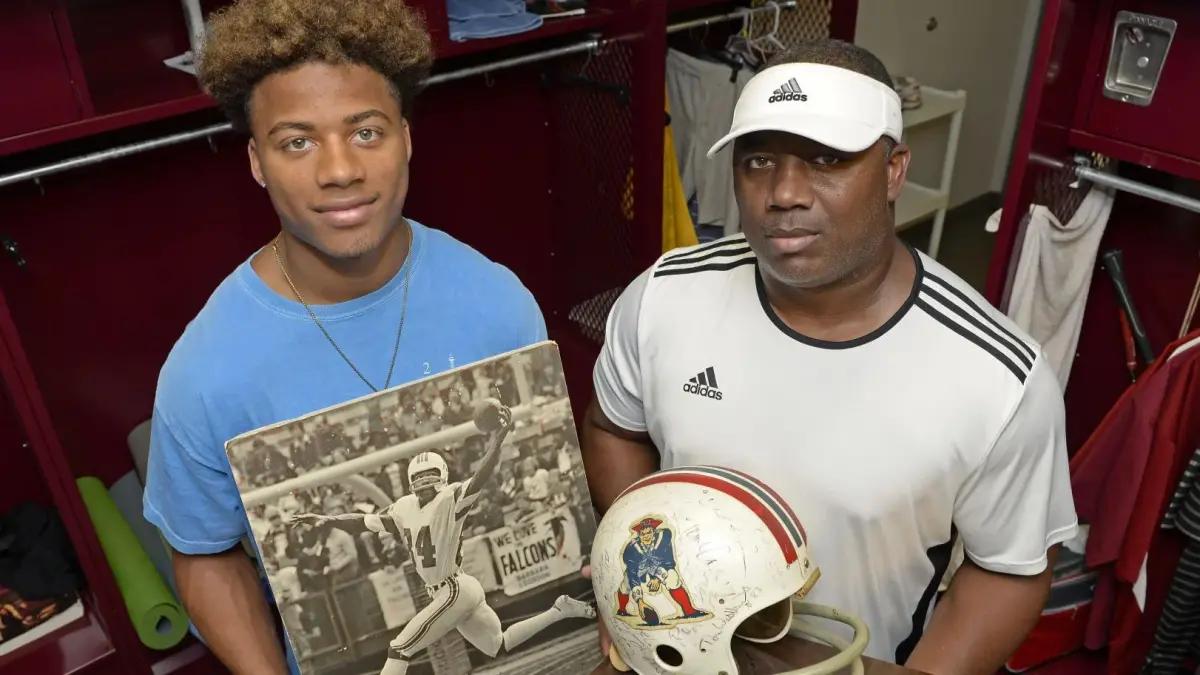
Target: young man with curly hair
[(348, 298)]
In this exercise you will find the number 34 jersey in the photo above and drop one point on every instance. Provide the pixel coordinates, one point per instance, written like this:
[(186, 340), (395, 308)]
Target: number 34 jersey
[(433, 531)]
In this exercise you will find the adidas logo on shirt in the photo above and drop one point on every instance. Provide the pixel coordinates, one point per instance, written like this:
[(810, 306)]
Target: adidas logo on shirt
[(788, 91), (704, 384)]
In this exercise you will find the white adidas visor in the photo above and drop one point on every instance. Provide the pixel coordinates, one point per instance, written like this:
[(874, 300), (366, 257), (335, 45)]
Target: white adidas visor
[(836, 107)]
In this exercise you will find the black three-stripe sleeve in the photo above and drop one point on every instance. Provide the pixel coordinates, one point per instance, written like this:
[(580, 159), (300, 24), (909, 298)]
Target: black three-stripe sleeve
[(719, 253), (720, 243), (949, 323), (710, 267), (976, 326), (1020, 344), (974, 320)]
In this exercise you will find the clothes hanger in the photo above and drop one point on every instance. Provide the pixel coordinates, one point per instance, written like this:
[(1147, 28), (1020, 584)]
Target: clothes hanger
[(770, 43), (1190, 314), (740, 44), (742, 35), (736, 60)]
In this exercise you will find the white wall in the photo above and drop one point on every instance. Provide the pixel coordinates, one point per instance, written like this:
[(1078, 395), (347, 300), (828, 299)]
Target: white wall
[(981, 46)]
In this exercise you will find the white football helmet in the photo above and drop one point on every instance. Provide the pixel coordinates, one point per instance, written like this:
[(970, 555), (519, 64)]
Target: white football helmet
[(688, 558), (427, 461)]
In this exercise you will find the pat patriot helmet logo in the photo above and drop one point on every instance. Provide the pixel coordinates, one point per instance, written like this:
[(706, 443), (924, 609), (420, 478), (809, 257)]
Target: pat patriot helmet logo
[(653, 594)]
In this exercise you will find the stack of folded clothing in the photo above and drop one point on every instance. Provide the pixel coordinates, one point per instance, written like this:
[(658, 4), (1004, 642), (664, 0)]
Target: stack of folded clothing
[(39, 574), (476, 19), (551, 9), (909, 90), (19, 615)]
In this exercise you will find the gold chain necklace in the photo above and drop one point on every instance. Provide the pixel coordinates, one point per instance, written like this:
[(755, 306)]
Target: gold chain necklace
[(403, 311)]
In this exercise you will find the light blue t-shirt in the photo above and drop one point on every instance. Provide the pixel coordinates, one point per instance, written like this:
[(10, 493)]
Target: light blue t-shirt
[(252, 357)]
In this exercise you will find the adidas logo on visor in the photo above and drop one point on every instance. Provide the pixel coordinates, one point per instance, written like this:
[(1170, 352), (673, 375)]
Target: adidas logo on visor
[(788, 91)]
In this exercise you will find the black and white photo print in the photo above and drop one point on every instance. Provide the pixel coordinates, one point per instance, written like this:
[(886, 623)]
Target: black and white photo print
[(435, 527)]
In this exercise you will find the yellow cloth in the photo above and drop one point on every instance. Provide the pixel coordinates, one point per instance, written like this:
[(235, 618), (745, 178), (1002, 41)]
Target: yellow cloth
[(677, 227)]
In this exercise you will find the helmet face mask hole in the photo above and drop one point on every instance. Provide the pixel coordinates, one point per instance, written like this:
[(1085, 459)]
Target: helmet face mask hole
[(668, 656), (425, 479), (767, 623)]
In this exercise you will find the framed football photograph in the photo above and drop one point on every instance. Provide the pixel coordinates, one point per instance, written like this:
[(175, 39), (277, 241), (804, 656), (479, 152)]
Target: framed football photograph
[(439, 526)]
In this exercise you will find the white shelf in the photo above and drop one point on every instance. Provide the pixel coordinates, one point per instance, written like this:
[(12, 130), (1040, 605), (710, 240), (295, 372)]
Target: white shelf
[(917, 202), (935, 104)]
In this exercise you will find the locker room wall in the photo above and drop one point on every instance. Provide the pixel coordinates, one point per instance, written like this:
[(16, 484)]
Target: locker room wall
[(980, 46)]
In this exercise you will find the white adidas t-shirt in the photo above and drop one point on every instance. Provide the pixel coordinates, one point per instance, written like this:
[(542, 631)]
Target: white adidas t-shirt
[(945, 420)]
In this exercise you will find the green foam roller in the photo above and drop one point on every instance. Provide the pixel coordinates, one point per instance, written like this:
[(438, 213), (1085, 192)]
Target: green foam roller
[(157, 615)]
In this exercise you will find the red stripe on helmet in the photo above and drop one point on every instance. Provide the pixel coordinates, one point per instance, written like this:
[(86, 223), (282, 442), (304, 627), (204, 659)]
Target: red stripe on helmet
[(748, 500), (782, 502)]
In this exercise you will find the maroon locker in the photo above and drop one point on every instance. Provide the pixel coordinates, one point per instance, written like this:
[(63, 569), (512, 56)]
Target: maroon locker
[(1163, 123), (101, 266), (1067, 114), (1095, 93), (35, 73)]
